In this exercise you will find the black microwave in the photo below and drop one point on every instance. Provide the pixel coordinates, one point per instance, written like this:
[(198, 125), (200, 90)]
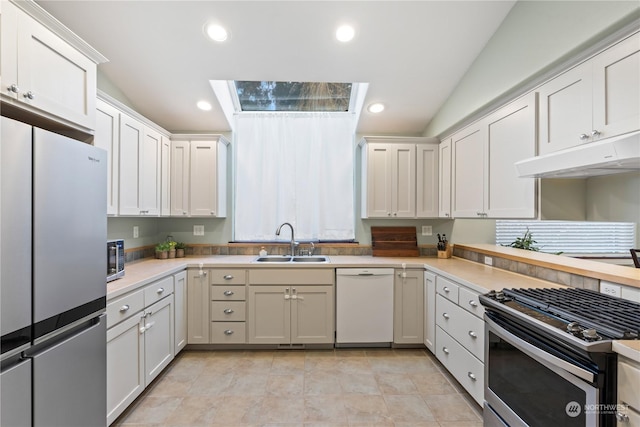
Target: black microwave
[(115, 259)]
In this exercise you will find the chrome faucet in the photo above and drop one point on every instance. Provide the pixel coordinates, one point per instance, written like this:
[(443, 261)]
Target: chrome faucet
[(293, 242)]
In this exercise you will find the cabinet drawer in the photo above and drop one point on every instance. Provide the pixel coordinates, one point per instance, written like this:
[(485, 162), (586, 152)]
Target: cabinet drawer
[(228, 293), (629, 384), (468, 370), (124, 307), (468, 300), (229, 311), (158, 290), (463, 326), (228, 276), (228, 332), (447, 289)]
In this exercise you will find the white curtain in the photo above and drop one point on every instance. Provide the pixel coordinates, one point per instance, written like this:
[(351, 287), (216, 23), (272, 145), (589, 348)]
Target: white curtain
[(296, 168)]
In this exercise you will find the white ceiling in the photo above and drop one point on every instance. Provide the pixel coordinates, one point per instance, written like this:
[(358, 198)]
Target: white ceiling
[(412, 53)]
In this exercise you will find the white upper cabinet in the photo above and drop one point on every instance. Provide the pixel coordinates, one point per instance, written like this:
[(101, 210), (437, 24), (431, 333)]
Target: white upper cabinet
[(165, 176), (131, 135), (484, 179), (107, 138), (42, 72), (399, 177), (597, 99), (150, 172), (616, 88), (199, 177), (444, 171)]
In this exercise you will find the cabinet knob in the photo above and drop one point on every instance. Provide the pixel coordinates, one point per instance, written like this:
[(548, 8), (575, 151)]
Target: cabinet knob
[(213, 213), (446, 214), (473, 334), (124, 308), (228, 311), (445, 315), (623, 418), (472, 376), (583, 137), (388, 213), (228, 332), (184, 212), (595, 133), (445, 350), (29, 95), (228, 293), (228, 277), (472, 303), (446, 289), (160, 290), (13, 88)]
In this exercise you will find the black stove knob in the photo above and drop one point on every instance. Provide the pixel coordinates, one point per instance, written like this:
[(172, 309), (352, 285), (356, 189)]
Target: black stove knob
[(500, 296), (573, 327), (590, 334)]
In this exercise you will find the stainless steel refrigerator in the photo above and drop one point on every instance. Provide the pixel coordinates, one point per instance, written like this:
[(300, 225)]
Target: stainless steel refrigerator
[(52, 279)]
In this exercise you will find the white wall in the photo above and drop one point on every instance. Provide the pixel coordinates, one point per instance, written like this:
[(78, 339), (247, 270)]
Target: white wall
[(534, 37)]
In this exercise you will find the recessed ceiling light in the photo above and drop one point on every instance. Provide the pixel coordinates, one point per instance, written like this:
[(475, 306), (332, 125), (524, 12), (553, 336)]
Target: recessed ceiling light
[(204, 105), (345, 33), (376, 107), (217, 32)]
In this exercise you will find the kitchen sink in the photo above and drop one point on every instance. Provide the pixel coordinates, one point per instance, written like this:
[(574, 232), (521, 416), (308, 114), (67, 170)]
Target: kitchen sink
[(286, 258)]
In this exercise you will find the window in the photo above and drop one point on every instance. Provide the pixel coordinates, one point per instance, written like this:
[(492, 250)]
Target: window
[(296, 168), (292, 96)]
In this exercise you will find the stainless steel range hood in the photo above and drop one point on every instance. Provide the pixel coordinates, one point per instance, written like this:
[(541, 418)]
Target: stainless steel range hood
[(614, 155)]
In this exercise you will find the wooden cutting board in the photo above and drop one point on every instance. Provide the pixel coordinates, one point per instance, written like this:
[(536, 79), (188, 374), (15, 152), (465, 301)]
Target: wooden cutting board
[(394, 241)]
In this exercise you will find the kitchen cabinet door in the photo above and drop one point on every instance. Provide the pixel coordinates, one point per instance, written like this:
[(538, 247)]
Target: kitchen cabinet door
[(180, 310), (158, 337), (43, 73), (165, 176), (430, 311), (312, 314), (468, 172), (180, 178), (565, 110), (511, 137), (269, 315), (150, 173), (616, 88), (203, 179), (198, 306), (408, 312), (444, 173), (131, 136), (427, 181), (125, 365), (107, 137)]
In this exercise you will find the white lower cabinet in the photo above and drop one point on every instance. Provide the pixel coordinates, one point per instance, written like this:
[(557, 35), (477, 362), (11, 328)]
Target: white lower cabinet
[(628, 411), (180, 310), (291, 306), (140, 341), (228, 306), (408, 310), (459, 334)]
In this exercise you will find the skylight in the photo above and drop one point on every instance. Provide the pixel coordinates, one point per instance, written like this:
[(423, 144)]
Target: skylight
[(293, 96)]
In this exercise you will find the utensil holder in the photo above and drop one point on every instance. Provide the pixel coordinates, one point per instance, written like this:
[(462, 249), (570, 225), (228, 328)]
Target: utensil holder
[(446, 253)]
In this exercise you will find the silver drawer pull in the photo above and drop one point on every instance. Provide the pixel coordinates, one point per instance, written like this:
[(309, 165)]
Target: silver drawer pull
[(228, 277), (623, 418), (160, 290), (447, 290), (472, 376), (445, 315), (124, 308), (445, 350), (473, 334), (228, 311), (472, 303), (228, 293), (228, 332)]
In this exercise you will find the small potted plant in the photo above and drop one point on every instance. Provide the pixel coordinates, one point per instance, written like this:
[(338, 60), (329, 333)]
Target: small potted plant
[(180, 247), (172, 249), (162, 250)]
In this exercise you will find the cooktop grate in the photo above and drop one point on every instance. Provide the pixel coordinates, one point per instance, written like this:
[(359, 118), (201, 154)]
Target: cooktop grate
[(615, 317)]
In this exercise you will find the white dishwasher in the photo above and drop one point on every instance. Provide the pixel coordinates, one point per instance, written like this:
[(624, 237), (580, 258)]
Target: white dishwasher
[(364, 306)]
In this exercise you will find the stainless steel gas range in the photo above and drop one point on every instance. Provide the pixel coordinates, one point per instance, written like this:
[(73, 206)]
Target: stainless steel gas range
[(548, 356)]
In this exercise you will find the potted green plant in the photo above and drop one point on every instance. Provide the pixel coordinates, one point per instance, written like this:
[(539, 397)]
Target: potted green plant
[(180, 247), (162, 250), (172, 249)]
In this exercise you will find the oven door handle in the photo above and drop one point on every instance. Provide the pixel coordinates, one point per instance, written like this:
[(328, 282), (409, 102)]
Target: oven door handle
[(536, 353)]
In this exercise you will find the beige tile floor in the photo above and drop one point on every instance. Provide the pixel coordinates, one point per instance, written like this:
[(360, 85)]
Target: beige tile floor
[(321, 388)]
